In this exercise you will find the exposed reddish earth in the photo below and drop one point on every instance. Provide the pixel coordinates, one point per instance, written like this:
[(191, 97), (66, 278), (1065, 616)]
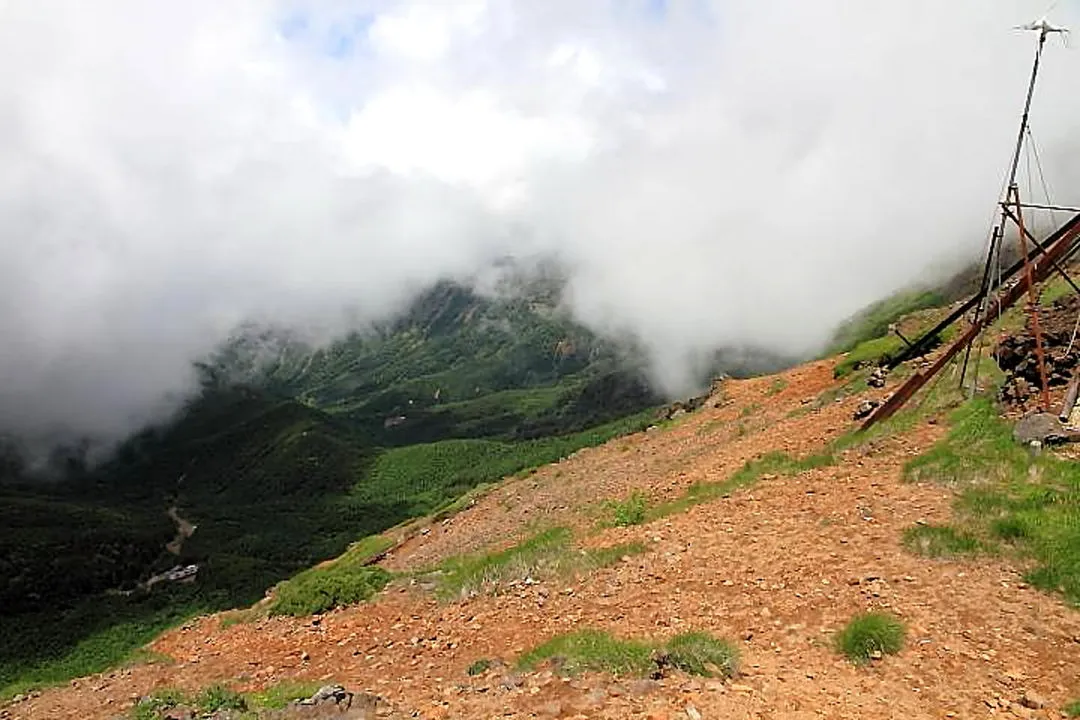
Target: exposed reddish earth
[(776, 567)]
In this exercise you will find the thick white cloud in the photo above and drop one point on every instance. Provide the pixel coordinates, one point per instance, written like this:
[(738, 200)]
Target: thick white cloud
[(727, 172)]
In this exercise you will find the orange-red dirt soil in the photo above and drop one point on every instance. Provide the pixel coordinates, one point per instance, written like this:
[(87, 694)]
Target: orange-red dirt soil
[(776, 568)]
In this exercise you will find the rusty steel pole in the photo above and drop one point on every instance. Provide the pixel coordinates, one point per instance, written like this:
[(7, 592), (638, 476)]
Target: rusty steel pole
[(1033, 300)]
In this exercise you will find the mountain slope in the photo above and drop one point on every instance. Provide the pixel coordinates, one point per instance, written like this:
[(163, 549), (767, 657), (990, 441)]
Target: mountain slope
[(776, 559), (274, 467), (457, 364)]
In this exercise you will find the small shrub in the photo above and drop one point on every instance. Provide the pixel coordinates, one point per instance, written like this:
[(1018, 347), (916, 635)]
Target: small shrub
[(591, 649), (940, 541), (870, 633), (777, 386), (321, 589), (155, 705), (279, 696), (1073, 709), (218, 697), (749, 410), (699, 653), (479, 667), (630, 511)]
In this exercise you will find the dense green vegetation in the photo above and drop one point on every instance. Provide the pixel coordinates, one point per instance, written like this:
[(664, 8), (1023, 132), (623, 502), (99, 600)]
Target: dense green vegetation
[(286, 457), (1009, 500), (866, 338), (696, 653), (424, 477), (870, 634), (873, 321), (456, 365)]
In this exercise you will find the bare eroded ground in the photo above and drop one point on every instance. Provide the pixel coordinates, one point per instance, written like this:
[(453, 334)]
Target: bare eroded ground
[(776, 567)]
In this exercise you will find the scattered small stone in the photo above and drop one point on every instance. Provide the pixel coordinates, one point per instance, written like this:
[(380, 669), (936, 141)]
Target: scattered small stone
[(511, 681), (692, 713), (1032, 700), (865, 408)]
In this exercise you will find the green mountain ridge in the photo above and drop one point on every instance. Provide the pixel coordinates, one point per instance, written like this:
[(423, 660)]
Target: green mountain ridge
[(286, 456)]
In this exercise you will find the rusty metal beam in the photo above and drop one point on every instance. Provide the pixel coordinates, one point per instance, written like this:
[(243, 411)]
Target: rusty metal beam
[(922, 343), (1057, 266), (1071, 395), (1063, 245)]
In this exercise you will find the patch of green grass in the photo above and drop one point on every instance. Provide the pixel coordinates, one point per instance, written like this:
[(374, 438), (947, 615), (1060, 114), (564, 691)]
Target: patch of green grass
[(346, 580), (870, 352), (547, 554), (870, 633), (778, 385), (699, 653), (940, 541), (774, 463), (1073, 709), (749, 410), (218, 697), (280, 695), (696, 653), (111, 632), (1054, 290), (873, 321), (591, 649), (1029, 503), (711, 426), (155, 705), (462, 503), (480, 667), (322, 589), (631, 511), (432, 476), (364, 550), (604, 557)]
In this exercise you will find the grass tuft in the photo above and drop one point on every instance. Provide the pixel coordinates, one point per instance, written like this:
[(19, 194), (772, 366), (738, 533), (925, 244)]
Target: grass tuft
[(591, 649), (322, 589), (699, 653), (279, 696), (218, 697), (696, 653), (1073, 709), (940, 541), (547, 554), (868, 634), (631, 511), (480, 667)]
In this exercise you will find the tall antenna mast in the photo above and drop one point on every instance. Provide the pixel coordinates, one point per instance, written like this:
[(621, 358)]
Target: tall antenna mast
[(1012, 210), (1037, 265)]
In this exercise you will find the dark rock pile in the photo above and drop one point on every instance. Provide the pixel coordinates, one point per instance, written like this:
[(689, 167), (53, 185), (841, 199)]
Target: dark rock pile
[(1016, 353)]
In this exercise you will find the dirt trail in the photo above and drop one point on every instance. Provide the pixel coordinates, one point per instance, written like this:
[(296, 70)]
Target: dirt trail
[(184, 530), (776, 567)]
